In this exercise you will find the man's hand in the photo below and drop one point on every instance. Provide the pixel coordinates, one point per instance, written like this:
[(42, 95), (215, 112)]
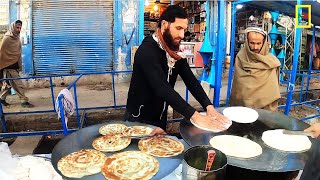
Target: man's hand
[(208, 122), (157, 131), (315, 128), (215, 115)]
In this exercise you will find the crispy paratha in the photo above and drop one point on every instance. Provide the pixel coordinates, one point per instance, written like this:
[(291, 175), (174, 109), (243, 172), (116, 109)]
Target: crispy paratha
[(130, 165), (81, 163), (111, 143), (137, 131), (112, 129), (161, 146)]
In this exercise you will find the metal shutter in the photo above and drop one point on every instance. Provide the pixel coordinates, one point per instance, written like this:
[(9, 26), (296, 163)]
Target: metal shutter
[(72, 36)]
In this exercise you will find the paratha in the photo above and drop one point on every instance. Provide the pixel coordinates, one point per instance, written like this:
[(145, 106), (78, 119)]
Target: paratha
[(137, 131), (130, 165), (284, 142), (236, 146), (81, 163), (111, 143), (161, 146), (112, 129)]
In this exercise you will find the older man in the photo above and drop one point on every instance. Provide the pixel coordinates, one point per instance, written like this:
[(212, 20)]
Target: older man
[(256, 71), (10, 64)]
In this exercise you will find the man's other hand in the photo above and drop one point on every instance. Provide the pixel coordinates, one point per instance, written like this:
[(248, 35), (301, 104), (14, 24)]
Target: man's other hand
[(315, 128), (157, 131)]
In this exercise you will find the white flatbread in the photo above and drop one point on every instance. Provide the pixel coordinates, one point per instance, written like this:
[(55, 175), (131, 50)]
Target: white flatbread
[(285, 142), (236, 146), (241, 114), (209, 129)]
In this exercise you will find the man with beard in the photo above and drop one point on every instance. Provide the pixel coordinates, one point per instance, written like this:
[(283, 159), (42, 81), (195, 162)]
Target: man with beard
[(256, 71), (10, 64), (157, 64)]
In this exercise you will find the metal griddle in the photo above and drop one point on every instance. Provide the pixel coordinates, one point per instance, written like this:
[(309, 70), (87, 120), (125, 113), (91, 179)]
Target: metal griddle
[(83, 138), (271, 160)]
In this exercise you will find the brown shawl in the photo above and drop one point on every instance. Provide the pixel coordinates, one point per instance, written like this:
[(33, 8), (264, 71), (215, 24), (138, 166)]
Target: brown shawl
[(10, 49), (172, 54), (255, 81)]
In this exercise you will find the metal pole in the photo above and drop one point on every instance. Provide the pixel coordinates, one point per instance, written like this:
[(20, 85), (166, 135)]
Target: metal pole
[(310, 60), (301, 88), (63, 121), (221, 50), (52, 94), (141, 21), (3, 120), (291, 84), (77, 106), (187, 95), (233, 36), (114, 91)]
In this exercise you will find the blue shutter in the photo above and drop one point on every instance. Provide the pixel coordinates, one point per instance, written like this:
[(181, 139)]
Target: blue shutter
[(72, 36)]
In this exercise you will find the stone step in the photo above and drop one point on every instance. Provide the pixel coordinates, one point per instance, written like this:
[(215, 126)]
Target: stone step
[(24, 145)]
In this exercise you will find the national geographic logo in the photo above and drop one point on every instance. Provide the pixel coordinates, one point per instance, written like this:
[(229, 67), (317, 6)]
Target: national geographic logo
[(303, 16)]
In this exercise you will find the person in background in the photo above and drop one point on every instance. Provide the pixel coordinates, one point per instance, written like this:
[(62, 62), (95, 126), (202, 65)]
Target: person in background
[(10, 64), (311, 170), (187, 36), (157, 63), (256, 74), (316, 54)]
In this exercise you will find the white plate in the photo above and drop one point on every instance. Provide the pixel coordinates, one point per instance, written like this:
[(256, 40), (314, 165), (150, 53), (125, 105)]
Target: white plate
[(207, 129), (241, 114)]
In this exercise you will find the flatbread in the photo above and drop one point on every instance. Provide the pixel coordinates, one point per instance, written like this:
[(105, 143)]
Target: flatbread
[(130, 165), (111, 143), (81, 163), (285, 142), (236, 146), (241, 114), (210, 129), (137, 131), (112, 129), (161, 146)]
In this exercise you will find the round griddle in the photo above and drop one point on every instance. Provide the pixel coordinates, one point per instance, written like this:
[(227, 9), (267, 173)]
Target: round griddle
[(83, 138), (271, 160)]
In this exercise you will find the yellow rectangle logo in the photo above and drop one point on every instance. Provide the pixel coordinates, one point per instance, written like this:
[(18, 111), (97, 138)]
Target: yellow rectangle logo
[(302, 18)]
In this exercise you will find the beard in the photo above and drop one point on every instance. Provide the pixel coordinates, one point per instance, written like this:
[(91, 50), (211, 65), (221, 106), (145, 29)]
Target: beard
[(255, 50), (168, 39)]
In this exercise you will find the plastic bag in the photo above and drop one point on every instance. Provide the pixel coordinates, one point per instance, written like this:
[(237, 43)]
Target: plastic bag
[(7, 163)]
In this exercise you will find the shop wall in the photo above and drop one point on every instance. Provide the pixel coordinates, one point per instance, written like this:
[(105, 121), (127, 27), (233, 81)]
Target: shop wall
[(125, 32)]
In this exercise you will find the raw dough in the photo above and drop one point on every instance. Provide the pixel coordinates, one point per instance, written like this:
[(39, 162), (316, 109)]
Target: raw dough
[(284, 142), (236, 146)]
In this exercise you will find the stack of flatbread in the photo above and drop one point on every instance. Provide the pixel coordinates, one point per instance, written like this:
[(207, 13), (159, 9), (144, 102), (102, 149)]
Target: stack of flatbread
[(112, 129), (137, 131), (111, 141), (123, 165)]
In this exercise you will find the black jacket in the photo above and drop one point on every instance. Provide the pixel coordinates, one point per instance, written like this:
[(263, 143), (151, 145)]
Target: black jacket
[(311, 170), (150, 93)]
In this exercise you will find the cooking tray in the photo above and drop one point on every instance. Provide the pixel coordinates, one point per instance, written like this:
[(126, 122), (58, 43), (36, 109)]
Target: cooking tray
[(83, 138), (271, 160)]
